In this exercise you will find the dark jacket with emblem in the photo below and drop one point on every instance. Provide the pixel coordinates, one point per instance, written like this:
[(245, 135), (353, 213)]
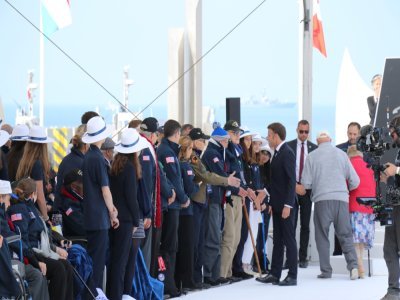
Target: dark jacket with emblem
[(234, 158), (147, 183), (204, 177), (213, 159), (189, 185), (167, 155), (71, 207)]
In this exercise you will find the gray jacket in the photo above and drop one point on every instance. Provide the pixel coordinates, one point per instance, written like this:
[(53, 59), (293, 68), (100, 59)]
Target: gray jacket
[(329, 173)]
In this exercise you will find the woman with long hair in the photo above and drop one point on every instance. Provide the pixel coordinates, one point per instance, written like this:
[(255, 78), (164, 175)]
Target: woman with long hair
[(185, 256), (125, 240), (35, 164), (18, 140), (52, 263)]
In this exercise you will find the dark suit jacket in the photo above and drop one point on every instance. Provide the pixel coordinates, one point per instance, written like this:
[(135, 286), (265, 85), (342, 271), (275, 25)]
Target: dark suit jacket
[(293, 145), (283, 179), (372, 108), (344, 146)]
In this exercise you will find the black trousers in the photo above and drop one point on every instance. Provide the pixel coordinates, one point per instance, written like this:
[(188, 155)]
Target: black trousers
[(304, 208), (198, 240), (185, 254), (61, 278), (121, 246), (237, 265), (97, 247), (169, 245), (155, 251), (284, 235)]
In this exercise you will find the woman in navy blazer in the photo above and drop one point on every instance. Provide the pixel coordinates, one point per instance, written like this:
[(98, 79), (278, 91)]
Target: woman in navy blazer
[(125, 172)]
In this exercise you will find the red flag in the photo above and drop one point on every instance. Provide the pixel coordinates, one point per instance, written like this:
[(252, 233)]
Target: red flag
[(318, 32)]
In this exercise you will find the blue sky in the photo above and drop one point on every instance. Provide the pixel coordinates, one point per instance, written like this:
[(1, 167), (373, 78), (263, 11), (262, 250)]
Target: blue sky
[(260, 57)]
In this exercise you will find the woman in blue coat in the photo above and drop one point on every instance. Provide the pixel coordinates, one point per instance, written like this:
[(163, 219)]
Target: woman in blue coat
[(185, 255)]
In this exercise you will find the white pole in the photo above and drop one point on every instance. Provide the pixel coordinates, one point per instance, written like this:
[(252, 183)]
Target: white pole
[(41, 73), (305, 58)]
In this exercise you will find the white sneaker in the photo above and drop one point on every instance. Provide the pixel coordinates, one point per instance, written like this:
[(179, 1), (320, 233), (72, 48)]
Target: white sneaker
[(127, 297), (100, 295), (354, 274)]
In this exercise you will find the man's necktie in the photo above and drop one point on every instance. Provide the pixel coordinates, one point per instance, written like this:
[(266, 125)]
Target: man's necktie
[(301, 161)]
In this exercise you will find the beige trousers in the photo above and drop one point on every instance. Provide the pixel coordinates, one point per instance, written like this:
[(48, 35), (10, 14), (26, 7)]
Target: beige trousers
[(230, 235)]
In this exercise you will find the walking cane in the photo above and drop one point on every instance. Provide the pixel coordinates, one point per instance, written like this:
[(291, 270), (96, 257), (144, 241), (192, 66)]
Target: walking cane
[(263, 239), (246, 215), (84, 283)]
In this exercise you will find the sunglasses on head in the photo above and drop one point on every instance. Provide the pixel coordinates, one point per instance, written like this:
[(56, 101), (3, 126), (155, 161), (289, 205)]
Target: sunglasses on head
[(303, 131)]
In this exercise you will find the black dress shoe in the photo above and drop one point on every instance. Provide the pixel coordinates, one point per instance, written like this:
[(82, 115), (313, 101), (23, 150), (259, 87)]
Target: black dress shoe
[(208, 280), (268, 279), (243, 275), (193, 286), (303, 264), (174, 294), (223, 280), (288, 281), (234, 279)]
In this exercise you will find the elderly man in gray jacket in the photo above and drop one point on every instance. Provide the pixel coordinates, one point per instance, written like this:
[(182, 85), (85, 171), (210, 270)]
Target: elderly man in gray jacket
[(330, 175)]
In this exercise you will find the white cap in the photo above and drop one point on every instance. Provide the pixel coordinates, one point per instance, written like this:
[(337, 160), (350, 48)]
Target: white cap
[(5, 187)]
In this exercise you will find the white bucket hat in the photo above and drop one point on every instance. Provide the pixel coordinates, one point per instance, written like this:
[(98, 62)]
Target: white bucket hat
[(258, 138), (131, 142), (96, 130), (37, 134), (246, 132), (4, 137), (20, 133)]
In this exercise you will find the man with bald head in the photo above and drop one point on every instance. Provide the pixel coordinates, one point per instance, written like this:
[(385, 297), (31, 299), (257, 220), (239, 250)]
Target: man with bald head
[(330, 175)]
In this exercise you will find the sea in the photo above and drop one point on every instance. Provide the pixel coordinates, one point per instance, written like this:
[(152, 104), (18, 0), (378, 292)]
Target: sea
[(255, 117)]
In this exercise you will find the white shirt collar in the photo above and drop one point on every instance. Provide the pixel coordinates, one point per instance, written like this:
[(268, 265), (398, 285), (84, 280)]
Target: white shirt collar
[(279, 146)]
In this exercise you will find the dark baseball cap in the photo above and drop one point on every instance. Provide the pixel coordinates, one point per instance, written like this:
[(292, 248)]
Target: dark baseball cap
[(160, 129), (196, 134), (72, 176), (149, 124), (108, 144), (232, 125)]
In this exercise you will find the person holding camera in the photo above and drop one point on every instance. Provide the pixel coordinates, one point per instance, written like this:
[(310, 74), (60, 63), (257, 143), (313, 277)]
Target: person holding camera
[(391, 243)]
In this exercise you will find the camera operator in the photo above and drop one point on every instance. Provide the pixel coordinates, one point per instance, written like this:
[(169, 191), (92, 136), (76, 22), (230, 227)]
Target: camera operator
[(392, 233)]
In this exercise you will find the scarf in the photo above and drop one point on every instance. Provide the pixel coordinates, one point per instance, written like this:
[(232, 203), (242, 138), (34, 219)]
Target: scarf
[(157, 195)]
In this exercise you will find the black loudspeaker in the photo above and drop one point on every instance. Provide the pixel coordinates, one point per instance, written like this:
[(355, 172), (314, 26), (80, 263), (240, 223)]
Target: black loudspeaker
[(233, 109)]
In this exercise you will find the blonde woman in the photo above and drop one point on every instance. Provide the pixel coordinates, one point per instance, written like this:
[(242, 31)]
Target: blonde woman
[(185, 256)]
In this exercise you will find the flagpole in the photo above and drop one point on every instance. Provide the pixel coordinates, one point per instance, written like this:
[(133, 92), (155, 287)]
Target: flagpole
[(41, 72), (305, 61)]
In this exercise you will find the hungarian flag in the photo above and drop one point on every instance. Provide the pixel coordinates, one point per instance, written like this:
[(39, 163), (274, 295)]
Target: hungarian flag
[(318, 32), (56, 14)]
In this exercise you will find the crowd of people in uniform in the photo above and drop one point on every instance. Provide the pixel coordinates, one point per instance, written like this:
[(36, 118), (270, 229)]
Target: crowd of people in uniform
[(178, 199)]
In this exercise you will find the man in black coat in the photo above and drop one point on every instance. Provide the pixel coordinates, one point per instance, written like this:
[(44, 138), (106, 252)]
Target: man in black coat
[(282, 202), (301, 148), (372, 101)]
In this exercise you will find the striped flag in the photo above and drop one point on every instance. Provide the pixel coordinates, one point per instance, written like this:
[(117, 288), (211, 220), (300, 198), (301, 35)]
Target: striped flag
[(56, 14), (318, 32)]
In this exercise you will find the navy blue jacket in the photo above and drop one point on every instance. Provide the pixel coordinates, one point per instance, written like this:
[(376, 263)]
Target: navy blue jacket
[(344, 146), (213, 159), (124, 191), (147, 183), (167, 155), (25, 216), (71, 207), (74, 160), (95, 177), (283, 179), (189, 185), (235, 161), (166, 188), (253, 176)]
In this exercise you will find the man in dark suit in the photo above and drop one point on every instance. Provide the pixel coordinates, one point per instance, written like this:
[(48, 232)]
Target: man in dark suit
[(301, 148), (282, 202), (372, 101)]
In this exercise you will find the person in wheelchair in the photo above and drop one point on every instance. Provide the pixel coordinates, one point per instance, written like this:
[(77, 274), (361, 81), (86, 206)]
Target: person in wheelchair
[(71, 204), (36, 243), (37, 283), (8, 284)]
